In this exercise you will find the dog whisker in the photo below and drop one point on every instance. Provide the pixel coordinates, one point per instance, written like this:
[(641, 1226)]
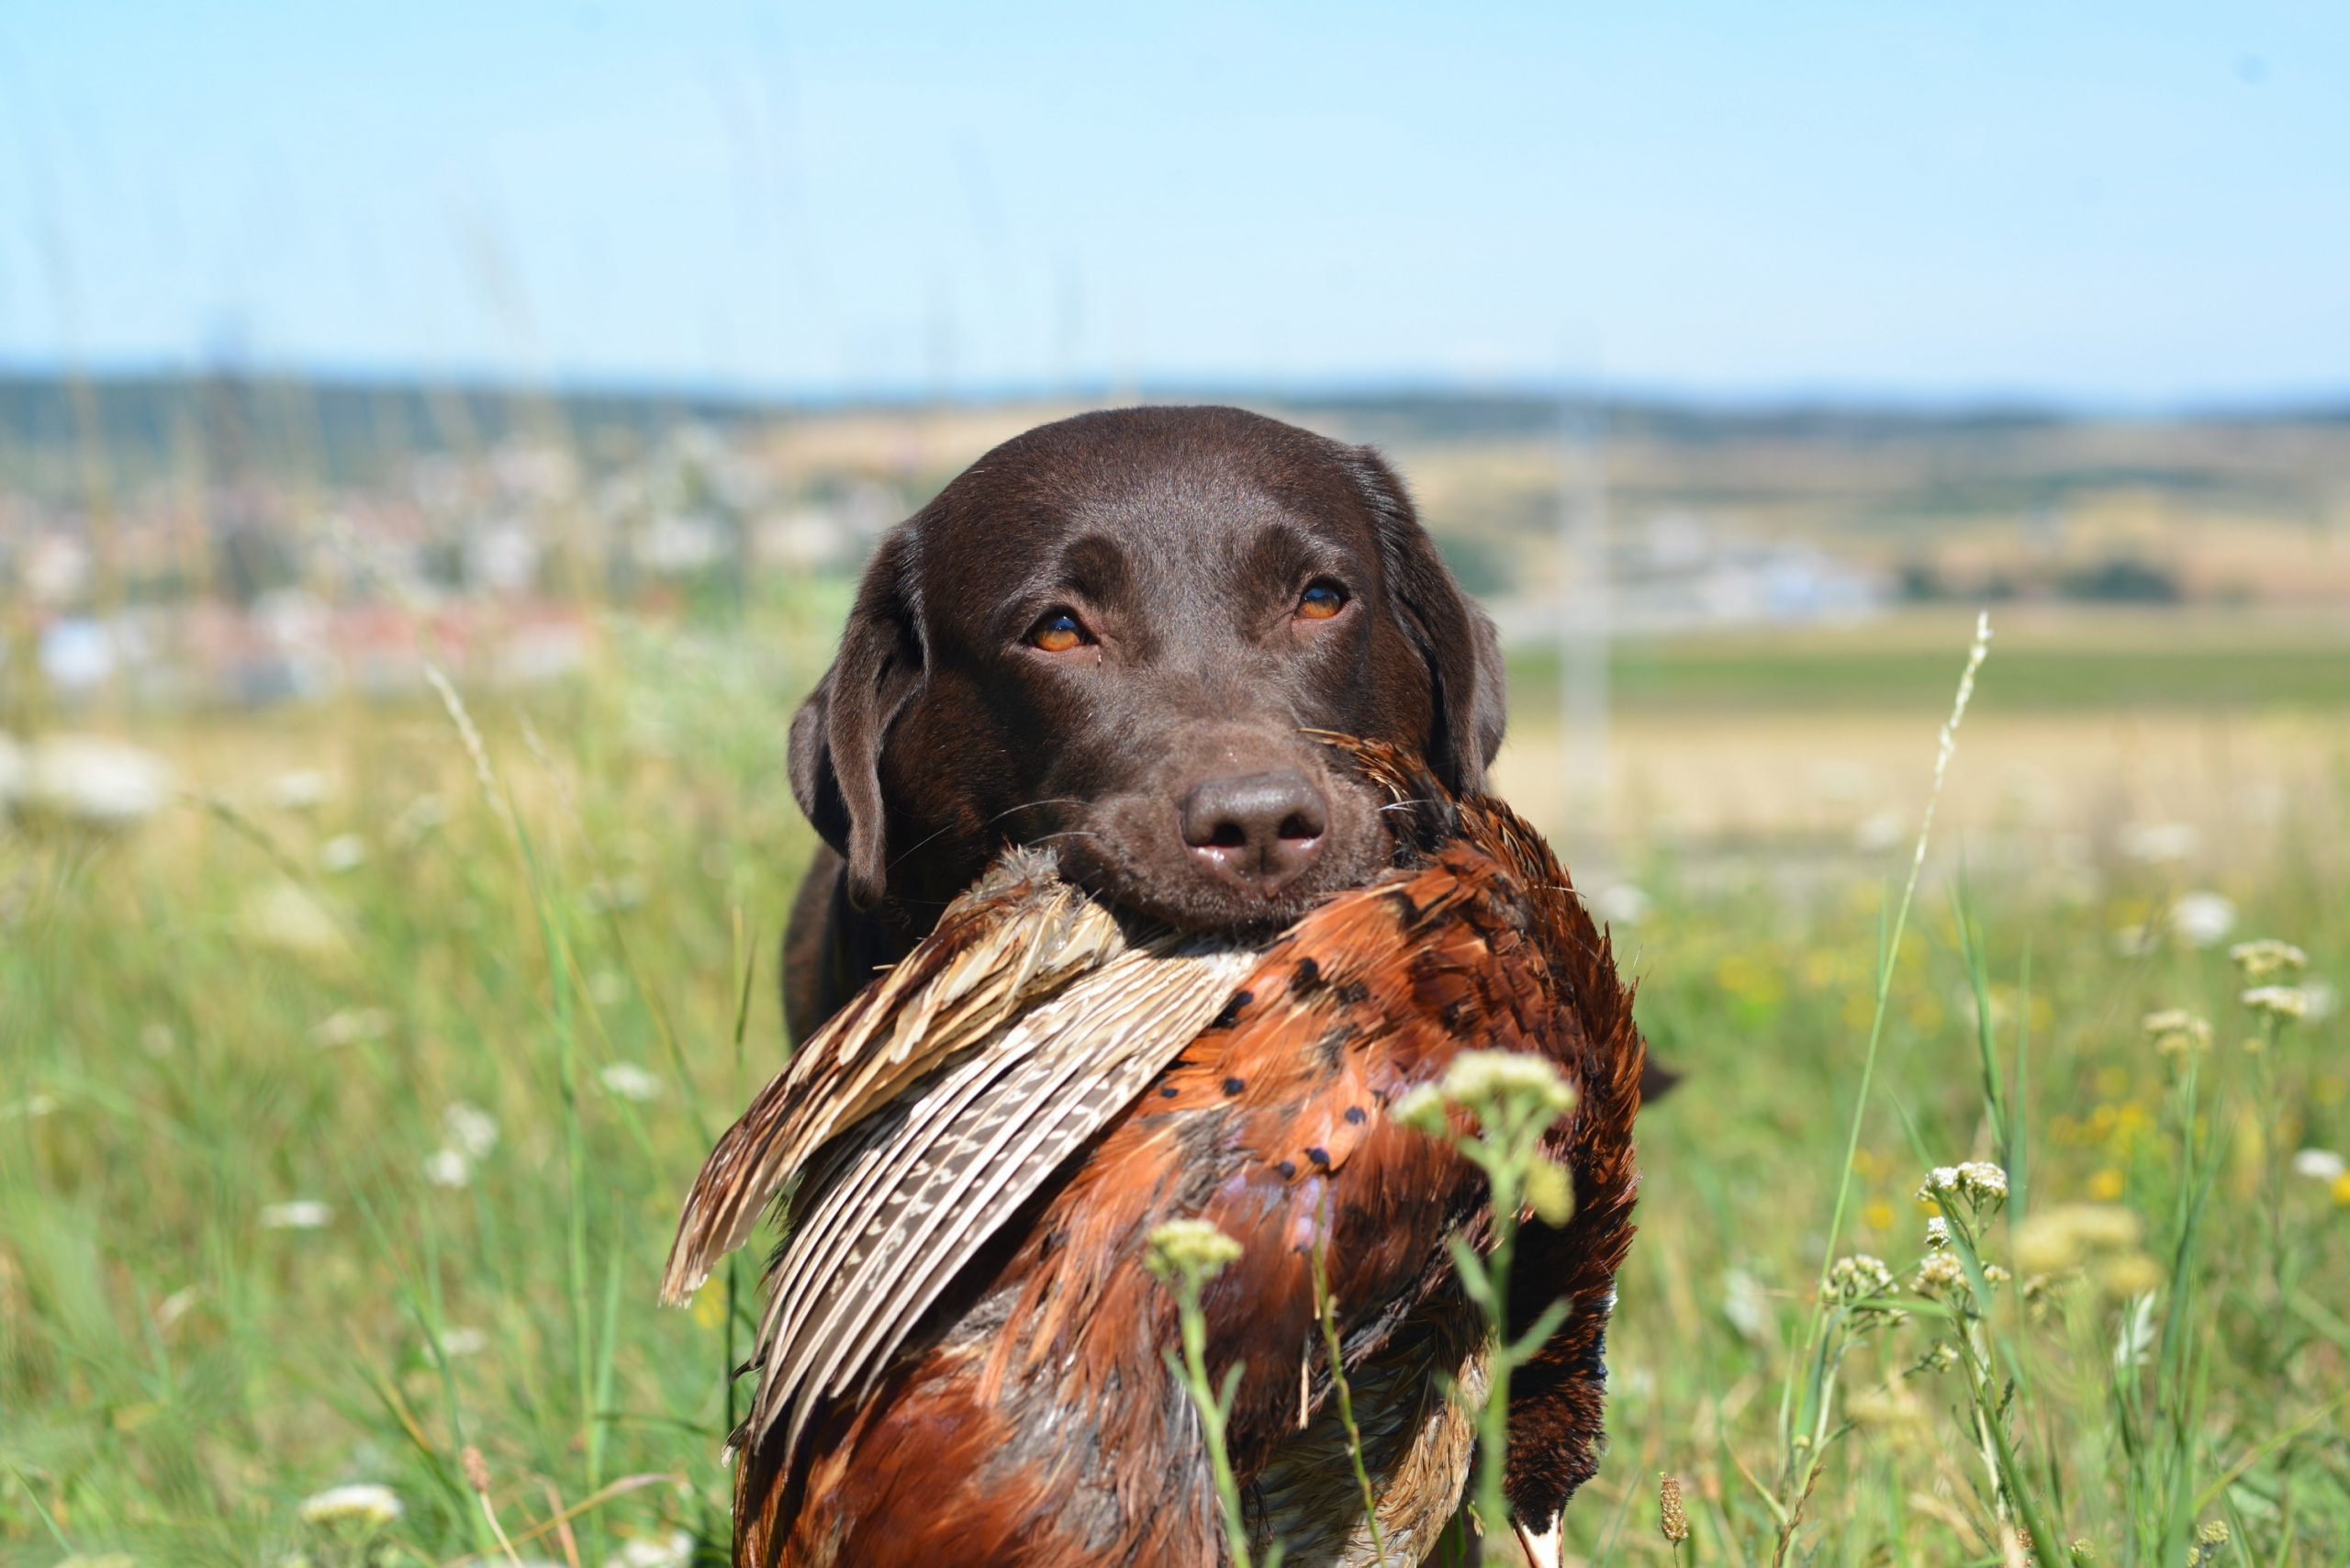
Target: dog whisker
[(901, 857)]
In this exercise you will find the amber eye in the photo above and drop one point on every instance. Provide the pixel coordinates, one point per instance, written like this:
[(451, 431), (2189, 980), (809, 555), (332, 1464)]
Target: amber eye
[(1321, 601), (1056, 633)]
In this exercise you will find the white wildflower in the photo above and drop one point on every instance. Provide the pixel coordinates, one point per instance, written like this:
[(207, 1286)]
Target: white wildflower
[(1940, 1271), (457, 1342), (286, 916), (1422, 1109), (94, 782), (2284, 1003), (1746, 1305), (1487, 1078), (418, 819), (361, 1503), (630, 1081), (1978, 1181), (1937, 1233), (343, 852), (1984, 1180), (2202, 919), (2319, 1165), (1879, 831), (2266, 959), (300, 789), (448, 1168), (2321, 1001), (673, 1550), (469, 1129), (2175, 1032), (1621, 903), (618, 894), (301, 1213), (352, 1026), (1859, 1275), (1191, 1250), (2159, 844)]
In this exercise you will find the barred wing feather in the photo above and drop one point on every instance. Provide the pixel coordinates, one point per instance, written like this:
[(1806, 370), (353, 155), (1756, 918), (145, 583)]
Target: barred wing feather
[(922, 1187), (1019, 936)]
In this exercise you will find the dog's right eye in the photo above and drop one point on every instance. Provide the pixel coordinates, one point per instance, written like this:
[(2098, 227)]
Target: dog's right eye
[(1056, 633)]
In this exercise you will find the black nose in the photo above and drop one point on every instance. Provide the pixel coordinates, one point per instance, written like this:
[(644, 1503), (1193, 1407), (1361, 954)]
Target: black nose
[(1260, 831)]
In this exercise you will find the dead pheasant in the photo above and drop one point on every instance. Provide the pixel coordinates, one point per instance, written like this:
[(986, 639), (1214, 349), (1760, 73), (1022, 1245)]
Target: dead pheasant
[(960, 1358)]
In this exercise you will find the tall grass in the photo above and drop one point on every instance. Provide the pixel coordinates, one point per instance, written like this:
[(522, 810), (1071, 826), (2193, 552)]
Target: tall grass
[(201, 1023)]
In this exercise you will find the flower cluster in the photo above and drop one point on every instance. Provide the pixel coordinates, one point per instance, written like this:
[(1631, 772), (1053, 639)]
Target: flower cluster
[(1940, 1271), (2100, 1242), (2267, 959), (363, 1503), (2175, 1032), (2280, 1004), (1190, 1249), (1851, 1278), (1976, 1183), (1484, 1082)]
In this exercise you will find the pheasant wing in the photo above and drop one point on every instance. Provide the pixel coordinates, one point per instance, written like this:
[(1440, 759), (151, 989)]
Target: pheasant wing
[(1019, 935), (922, 1188)]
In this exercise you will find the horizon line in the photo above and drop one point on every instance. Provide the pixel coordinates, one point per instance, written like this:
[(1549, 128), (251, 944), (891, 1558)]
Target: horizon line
[(1794, 397)]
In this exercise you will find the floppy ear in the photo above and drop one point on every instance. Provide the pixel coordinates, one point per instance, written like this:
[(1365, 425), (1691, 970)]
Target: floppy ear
[(838, 735), (1453, 634)]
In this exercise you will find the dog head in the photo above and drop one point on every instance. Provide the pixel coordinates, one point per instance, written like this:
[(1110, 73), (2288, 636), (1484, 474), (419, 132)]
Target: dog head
[(1109, 634)]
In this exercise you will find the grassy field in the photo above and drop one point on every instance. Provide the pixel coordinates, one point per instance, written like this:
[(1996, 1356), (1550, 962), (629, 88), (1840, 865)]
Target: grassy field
[(345, 1104)]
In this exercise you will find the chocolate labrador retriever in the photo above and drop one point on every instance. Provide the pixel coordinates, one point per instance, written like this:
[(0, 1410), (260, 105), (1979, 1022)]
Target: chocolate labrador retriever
[(1108, 635)]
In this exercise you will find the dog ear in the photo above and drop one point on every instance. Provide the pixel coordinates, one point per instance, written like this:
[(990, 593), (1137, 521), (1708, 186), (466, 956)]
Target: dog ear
[(1453, 634), (838, 733)]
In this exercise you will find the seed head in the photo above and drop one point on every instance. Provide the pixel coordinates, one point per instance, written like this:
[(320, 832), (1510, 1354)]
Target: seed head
[(1670, 1516)]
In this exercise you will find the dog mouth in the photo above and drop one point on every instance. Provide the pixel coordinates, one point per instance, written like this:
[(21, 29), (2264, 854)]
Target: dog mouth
[(1244, 855)]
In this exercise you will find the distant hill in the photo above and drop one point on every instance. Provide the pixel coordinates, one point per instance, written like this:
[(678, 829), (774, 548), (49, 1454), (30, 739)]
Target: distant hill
[(349, 429)]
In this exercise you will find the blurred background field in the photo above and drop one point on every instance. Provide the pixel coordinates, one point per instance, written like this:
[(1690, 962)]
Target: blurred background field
[(433, 463)]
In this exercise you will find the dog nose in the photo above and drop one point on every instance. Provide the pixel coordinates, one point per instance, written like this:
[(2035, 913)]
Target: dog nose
[(1260, 831)]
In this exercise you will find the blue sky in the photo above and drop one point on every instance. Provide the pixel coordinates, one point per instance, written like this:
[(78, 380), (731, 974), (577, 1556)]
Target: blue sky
[(2130, 204)]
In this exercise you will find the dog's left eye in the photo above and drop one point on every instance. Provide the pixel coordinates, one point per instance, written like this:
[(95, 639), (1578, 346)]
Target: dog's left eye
[(1321, 601)]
